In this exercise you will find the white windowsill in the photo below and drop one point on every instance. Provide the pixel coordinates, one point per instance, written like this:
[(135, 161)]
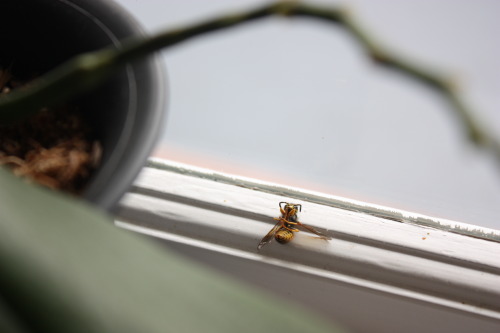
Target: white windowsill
[(405, 271)]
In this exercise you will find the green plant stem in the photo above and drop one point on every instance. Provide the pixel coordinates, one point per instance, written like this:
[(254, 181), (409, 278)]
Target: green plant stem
[(85, 72)]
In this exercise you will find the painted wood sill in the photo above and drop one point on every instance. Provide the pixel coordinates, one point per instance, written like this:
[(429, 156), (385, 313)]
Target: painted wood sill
[(401, 271)]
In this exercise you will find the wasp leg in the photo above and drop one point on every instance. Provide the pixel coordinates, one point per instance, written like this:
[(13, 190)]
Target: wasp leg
[(291, 229), (285, 222), (282, 211), (292, 212)]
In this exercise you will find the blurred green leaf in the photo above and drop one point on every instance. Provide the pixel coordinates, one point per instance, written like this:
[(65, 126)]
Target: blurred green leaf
[(66, 268)]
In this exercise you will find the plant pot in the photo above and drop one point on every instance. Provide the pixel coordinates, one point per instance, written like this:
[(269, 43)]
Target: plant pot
[(125, 114)]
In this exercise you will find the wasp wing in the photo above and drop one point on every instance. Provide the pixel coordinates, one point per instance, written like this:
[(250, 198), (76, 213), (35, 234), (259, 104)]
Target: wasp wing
[(314, 231), (267, 238)]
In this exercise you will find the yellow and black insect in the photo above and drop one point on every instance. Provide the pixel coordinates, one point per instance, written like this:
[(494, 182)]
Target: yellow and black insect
[(287, 224)]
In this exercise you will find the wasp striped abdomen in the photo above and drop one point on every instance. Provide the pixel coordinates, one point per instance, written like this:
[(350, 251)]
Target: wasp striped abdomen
[(283, 236)]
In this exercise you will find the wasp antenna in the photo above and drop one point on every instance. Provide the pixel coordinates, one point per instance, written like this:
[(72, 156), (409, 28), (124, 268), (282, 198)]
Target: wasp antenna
[(300, 207)]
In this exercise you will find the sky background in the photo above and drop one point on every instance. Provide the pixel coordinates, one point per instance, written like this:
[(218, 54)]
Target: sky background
[(296, 102)]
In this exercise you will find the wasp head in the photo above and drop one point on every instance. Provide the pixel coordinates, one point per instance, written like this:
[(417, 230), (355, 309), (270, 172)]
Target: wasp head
[(288, 207)]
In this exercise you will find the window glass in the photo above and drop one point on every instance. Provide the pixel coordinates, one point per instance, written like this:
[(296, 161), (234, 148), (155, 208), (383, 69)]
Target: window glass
[(298, 103)]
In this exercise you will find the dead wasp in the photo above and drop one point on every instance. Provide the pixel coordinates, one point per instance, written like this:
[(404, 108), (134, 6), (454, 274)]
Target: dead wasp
[(287, 224)]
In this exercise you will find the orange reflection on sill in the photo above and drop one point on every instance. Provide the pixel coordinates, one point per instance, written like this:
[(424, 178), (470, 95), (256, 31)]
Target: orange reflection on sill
[(222, 165)]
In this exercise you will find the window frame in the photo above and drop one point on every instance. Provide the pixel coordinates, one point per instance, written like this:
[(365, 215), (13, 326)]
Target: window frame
[(446, 265)]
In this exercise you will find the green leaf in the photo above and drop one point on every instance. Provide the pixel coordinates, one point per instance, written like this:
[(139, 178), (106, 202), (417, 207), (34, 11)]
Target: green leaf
[(66, 268)]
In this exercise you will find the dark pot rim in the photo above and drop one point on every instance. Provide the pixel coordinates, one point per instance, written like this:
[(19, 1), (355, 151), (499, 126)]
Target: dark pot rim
[(136, 142)]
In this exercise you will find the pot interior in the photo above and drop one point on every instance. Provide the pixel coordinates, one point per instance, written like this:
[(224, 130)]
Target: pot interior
[(38, 35)]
